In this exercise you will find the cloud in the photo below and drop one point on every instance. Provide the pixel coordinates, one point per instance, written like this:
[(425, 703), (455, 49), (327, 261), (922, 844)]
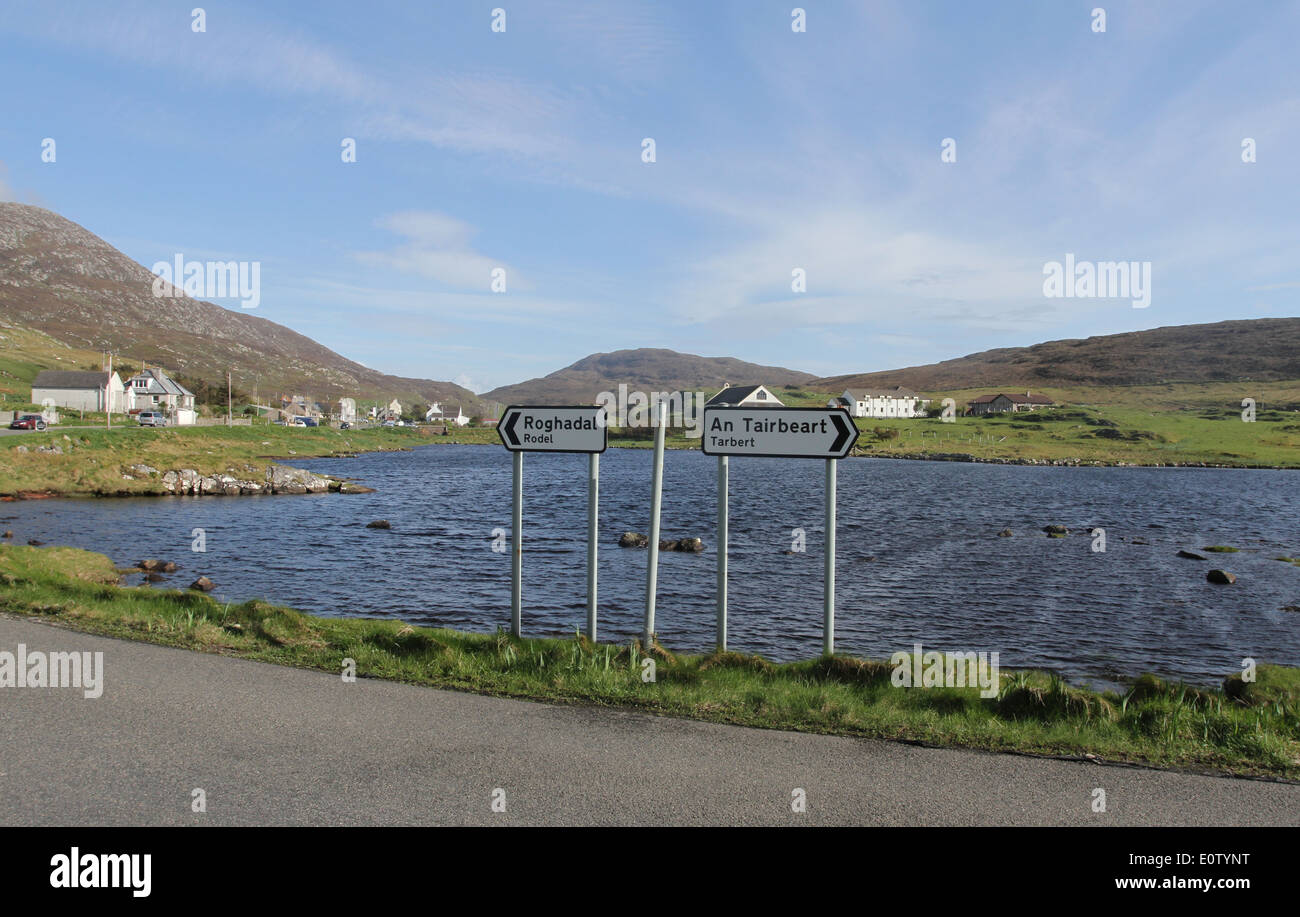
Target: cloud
[(438, 247)]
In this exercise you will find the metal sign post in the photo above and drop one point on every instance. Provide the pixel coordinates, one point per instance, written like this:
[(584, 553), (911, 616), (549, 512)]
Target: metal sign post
[(656, 501), (826, 433), (552, 428), (723, 475), (593, 497)]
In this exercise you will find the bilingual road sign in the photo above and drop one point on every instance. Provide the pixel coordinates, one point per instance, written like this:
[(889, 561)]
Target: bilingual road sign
[(826, 433), (542, 428)]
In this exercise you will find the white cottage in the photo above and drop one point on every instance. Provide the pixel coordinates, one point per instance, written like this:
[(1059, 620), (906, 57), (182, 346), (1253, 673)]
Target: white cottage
[(893, 402), (79, 391), (748, 396), (154, 390)]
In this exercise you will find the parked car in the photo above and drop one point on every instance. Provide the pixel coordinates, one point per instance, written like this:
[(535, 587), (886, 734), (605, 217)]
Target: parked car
[(151, 419), (28, 422), (390, 423), (345, 426)]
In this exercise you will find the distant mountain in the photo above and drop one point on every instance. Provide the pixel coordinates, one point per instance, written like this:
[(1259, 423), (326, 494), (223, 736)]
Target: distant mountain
[(1259, 350), (645, 369), (60, 279)]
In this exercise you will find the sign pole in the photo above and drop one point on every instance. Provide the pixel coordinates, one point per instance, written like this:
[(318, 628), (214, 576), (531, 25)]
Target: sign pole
[(828, 637), (516, 538), (723, 473), (656, 500), (593, 496)]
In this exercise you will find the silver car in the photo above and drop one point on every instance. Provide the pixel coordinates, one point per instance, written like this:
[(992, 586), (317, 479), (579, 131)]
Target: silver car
[(151, 419)]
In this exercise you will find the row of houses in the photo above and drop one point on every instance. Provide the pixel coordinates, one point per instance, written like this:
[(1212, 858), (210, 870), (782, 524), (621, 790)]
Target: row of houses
[(88, 390), (893, 402)]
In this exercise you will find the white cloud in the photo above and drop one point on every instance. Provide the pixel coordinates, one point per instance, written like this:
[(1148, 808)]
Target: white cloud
[(438, 246)]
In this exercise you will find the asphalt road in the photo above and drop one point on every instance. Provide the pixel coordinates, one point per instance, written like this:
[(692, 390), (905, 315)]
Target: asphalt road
[(273, 745)]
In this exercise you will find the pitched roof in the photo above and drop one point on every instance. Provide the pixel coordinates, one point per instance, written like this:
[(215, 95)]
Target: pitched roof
[(861, 394), (733, 394), (69, 378), (1014, 398), (160, 383)]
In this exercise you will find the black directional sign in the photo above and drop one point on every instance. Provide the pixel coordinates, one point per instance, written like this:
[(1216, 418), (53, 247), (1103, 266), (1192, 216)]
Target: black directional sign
[(779, 432), (553, 428)]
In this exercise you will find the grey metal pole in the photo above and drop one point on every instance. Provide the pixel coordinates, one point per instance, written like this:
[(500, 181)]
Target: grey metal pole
[(656, 499), (593, 496), (828, 637), (723, 474), (517, 543)]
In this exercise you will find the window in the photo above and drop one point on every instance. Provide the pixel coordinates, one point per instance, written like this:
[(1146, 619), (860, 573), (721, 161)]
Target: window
[(762, 395)]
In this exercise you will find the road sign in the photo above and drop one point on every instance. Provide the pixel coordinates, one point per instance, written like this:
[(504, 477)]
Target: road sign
[(552, 428), (539, 428), (827, 433)]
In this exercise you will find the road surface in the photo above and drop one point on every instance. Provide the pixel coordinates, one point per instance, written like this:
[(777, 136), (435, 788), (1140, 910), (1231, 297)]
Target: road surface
[(274, 745)]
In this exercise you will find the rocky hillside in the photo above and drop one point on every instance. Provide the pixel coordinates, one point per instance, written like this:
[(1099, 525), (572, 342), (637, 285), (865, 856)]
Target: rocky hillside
[(645, 369), (1260, 350), (60, 279)]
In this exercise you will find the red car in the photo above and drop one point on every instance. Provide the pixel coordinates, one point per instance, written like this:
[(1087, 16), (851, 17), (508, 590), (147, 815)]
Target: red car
[(28, 422)]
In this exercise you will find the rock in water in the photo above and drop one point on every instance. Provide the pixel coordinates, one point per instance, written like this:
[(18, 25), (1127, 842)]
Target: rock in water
[(203, 584), (1191, 555), (1056, 530), (1222, 577), (379, 524), (633, 540), (691, 545), (1005, 533)]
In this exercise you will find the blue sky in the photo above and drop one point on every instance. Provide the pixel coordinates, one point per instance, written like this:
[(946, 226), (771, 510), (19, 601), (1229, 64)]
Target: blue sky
[(775, 150)]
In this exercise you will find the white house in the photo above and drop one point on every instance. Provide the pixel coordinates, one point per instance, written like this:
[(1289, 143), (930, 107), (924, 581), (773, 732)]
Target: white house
[(154, 390), (893, 402), (749, 396), (79, 391), (434, 412)]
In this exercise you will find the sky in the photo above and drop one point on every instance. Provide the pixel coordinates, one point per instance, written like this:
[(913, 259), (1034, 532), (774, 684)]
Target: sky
[(821, 151)]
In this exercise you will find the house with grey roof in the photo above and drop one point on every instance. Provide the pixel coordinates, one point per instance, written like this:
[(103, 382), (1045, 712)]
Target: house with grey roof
[(1007, 403), (79, 390), (746, 396), (154, 390)]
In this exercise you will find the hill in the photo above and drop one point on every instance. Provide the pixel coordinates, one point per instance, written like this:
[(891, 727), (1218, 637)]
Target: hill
[(1258, 350), (64, 286), (644, 369)]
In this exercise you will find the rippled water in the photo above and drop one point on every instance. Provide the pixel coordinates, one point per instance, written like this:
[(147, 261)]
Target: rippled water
[(919, 557)]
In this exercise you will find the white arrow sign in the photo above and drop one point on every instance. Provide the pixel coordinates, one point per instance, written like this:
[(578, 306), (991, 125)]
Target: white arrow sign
[(779, 432), (539, 428)]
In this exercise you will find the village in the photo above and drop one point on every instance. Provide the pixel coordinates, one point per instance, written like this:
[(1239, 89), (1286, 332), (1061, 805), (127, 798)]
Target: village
[(154, 397)]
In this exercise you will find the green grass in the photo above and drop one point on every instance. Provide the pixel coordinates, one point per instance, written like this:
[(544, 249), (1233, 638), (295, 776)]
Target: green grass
[(95, 459), (1242, 728)]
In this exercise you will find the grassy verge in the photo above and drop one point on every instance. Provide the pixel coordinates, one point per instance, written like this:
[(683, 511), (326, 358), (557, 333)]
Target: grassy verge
[(94, 461), (1241, 728)]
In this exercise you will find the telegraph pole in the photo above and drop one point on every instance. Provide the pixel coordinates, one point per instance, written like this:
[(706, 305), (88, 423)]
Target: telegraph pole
[(228, 419)]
